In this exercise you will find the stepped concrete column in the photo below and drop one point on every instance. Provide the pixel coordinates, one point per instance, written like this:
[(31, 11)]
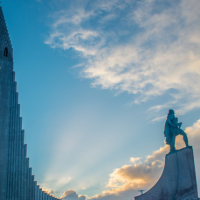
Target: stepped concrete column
[(40, 194)]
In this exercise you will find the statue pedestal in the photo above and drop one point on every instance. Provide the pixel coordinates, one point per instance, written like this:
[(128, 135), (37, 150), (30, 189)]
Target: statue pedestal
[(178, 181)]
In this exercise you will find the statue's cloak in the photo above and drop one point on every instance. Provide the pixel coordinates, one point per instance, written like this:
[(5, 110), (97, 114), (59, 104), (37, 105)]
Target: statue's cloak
[(168, 131)]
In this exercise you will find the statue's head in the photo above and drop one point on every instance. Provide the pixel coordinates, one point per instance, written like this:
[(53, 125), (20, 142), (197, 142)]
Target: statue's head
[(171, 114), (171, 111)]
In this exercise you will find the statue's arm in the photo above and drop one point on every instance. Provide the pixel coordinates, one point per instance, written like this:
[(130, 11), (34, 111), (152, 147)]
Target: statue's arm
[(170, 123)]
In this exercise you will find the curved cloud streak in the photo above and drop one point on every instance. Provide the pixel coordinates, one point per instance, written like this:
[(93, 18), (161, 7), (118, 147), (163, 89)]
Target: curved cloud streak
[(147, 48)]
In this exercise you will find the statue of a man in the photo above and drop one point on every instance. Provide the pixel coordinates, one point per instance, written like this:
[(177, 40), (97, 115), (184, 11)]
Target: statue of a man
[(172, 129)]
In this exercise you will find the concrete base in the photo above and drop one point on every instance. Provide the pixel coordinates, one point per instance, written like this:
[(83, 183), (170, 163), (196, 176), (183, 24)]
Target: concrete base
[(178, 181)]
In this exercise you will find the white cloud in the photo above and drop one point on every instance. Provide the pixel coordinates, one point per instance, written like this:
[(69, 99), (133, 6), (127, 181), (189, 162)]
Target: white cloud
[(139, 175), (148, 48), (47, 191), (57, 180), (134, 160), (72, 195)]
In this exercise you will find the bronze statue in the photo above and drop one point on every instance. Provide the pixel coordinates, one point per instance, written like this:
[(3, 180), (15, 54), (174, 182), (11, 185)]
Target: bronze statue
[(173, 129)]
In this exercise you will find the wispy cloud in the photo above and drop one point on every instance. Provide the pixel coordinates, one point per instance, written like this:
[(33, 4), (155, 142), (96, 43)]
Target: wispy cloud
[(148, 48), (134, 160), (57, 180)]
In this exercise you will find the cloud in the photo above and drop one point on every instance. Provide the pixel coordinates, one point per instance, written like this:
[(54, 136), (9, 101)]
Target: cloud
[(81, 197), (134, 160), (57, 180), (125, 182), (139, 175), (47, 191), (147, 48), (71, 195)]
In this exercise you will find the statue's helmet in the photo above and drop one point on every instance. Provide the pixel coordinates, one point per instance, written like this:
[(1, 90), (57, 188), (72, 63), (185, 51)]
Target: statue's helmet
[(171, 111)]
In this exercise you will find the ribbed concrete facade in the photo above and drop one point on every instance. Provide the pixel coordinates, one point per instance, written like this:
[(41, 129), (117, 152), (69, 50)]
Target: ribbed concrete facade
[(16, 179)]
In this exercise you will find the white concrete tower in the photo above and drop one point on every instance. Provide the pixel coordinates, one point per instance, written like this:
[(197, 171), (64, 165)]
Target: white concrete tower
[(16, 179), (6, 84)]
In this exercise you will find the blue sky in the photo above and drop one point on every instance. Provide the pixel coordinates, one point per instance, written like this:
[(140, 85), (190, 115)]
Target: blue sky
[(95, 82)]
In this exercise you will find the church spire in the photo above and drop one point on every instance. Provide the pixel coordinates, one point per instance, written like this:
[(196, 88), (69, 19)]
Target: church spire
[(6, 51), (16, 178)]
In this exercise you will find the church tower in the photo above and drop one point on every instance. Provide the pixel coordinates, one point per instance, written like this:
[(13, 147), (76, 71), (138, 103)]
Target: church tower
[(16, 179)]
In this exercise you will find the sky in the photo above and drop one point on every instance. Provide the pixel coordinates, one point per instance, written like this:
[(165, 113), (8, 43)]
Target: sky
[(96, 80)]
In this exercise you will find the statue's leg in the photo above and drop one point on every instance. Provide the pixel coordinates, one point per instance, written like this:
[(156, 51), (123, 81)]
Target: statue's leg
[(185, 138)]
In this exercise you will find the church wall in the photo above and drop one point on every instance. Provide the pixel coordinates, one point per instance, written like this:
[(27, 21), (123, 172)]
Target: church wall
[(5, 92), (16, 179)]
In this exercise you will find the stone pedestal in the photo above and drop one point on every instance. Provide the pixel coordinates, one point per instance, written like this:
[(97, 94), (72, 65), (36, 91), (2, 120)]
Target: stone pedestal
[(178, 181)]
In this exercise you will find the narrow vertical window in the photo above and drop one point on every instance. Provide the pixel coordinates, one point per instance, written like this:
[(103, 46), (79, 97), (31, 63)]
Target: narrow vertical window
[(6, 52)]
